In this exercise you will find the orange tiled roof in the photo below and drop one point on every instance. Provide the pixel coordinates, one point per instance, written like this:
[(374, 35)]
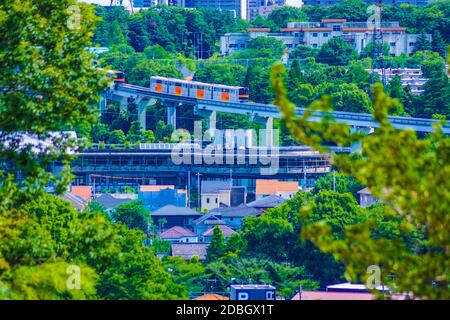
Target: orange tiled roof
[(212, 296), (274, 186), (304, 29), (258, 29), (369, 29), (334, 20), (150, 188), (84, 192)]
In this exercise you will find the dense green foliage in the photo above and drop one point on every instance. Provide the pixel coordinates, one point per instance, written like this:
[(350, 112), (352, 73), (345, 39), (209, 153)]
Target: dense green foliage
[(409, 175)]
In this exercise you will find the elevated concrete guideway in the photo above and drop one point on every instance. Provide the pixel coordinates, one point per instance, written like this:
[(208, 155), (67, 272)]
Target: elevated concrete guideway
[(359, 121)]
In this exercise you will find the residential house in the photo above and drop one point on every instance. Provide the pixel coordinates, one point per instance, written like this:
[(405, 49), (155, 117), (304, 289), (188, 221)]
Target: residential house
[(154, 197), (261, 205), (226, 231), (78, 202), (206, 222), (283, 189), (366, 198), (252, 292), (234, 216), (110, 202), (170, 216), (189, 250), (215, 194), (84, 192), (179, 234)]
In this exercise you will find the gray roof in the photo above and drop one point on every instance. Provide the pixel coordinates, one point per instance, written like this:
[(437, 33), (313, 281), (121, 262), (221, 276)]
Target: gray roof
[(110, 202), (215, 186), (189, 250), (78, 202), (206, 216), (267, 202), (171, 210), (364, 191), (241, 211)]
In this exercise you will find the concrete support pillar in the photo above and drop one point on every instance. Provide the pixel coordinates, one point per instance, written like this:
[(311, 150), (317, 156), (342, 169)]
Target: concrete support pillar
[(356, 146), (124, 104), (172, 115), (102, 104), (142, 115)]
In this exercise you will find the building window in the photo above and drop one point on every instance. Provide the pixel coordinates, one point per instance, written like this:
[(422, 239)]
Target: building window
[(325, 34), (337, 27), (207, 200), (242, 45), (315, 34), (216, 200), (270, 295), (392, 44), (314, 45), (411, 44)]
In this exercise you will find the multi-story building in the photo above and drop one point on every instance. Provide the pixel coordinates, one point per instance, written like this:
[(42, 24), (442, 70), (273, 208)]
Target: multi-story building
[(315, 34), (237, 7), (264, 7), (411, 77)]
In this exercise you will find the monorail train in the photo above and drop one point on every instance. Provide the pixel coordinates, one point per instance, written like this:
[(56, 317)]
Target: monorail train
[(114, 75), (198, 90)]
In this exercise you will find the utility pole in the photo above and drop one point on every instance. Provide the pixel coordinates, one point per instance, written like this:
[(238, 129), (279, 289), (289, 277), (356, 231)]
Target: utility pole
[(377, 44), (189, 188), (198, 190), (334, 180)]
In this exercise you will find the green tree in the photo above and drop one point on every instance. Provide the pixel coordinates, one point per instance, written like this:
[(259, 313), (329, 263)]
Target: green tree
[(336, 52), (339, 182), (117, 137), (216, 248), (436, 96), (267, 47), (37, 66), (148, 136), (438, 44), (136, 132), (397, 167), (133, 215), (302, 52), (394, 88), (422, 43), (282, 15)]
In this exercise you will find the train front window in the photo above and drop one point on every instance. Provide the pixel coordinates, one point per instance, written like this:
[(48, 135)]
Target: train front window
[(243, 91)]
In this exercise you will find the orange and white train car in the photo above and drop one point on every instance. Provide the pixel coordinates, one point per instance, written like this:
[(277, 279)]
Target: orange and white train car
[(198, 90)]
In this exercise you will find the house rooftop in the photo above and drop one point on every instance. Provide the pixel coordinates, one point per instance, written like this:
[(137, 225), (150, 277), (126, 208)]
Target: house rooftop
[(267, 202), (154, 188), (211, 296), (240, 211), (275, 186), (226, 231), (176, 232), (215, 187), (189, 250), (84, 192), (252, 286), (110, 202), (171, 210), (78, 202), (364, 191)]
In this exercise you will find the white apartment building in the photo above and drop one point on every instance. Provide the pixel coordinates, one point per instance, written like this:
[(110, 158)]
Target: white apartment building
[(411, 77), (315, 34)]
